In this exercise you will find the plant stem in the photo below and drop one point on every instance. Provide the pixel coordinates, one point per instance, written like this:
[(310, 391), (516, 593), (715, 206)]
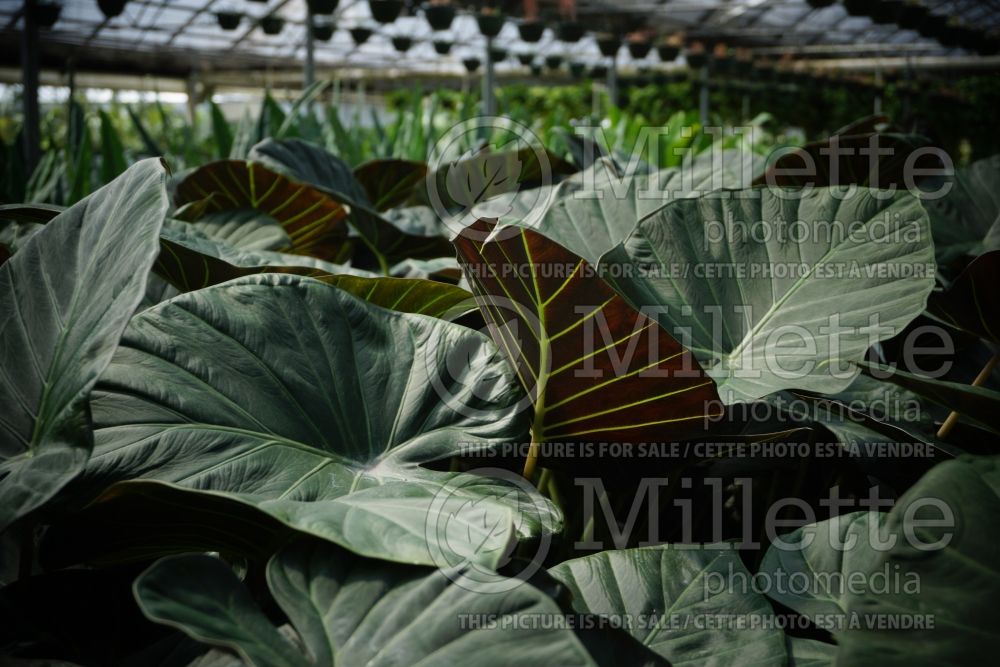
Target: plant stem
[(984, 374)]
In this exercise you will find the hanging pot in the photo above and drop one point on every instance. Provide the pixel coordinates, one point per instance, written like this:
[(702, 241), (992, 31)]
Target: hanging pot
[(569, 31), (324, 7), (553, 61), (608, 45), (950, 35), (536, 70), (111, 8), (858, 7), (988, 44), (385, 11), (490, 24), (531, 31), (442, 46), (668, 53), (471, 65), (228, 20), (932, 26), (46, 14), (820, 4), (323, 31), (576, 70), (639, 50), (498, 55), (526, 59), (439, 17), (360, 35), (272, 25), (598, 72), (402, 44), (886, 11), (911, 15), (696, 59)]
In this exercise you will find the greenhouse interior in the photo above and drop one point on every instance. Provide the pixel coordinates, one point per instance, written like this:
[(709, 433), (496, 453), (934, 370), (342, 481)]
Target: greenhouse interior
[(527, 332)]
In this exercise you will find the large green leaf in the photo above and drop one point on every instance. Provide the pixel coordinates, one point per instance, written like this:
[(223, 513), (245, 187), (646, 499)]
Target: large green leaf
[(669, 597), (66, 297), (595, 369), (313, 221), (390, 183), (957, 584), (775, 290), (351, 611), (969, 303), (321, 410), (966, 219), (977, 403)]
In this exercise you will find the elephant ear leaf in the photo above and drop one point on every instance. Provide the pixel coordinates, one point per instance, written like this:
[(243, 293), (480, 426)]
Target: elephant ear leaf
[(390, 183), (352, 611), (67, 296), (595, 368), (314, 221), (969, 303)]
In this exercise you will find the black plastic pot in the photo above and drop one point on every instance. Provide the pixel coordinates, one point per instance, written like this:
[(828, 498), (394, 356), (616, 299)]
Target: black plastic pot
[(531, 31), (402, 44), (639, 50), (598, 72), (323, 31), (696, 60), (385, 11), (442, 46), (325, 7), (536, 70), (886, 11), (439, 17), (471, 65), (360, 35), (228, 20), (490, 25), (553, 61), (932, 26), (569, 31), (272, 25), (911, 15), (497, 54), (526, 59), (858, 7), (668, 53), (576, 70), (608, 45), (46, 14), (111, 8), (820, 4)]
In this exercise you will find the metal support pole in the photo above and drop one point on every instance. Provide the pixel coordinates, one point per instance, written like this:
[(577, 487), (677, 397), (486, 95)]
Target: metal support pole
[(310, 67), (489, 101), (879, 82), (613, 81), (29, 76), (703, 96)]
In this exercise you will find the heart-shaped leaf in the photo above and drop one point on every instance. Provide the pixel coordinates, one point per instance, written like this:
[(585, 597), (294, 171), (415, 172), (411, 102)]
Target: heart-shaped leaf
[(66, 297), (776, 290), (390, 183), (351, 611), (292, 396), (667, 595), (596, 369), (966, 218), (969, 303)]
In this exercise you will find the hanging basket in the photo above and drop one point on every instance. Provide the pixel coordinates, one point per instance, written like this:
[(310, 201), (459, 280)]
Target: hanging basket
[(442, 46), (323, 31), (360, 35), (696, 59), (385, 11), (471, 65), (886, 11), (324, 7), (820, 4), (639, 50), (439, 17), (526, 59), (536, 70), (598, 72), (272, 25), (46, 14), (950, 35), (668, 53), (111, 8), (402, 44), (932, 26), (576, 70), (569, 31), (229, 20), (858, 7), (553, 61), (490, 25), (531, 31), (608, 45), (498, 55)]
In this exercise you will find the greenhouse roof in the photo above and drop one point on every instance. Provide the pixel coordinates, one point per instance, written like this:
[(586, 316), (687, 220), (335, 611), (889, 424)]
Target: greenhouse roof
[(174, 37)]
